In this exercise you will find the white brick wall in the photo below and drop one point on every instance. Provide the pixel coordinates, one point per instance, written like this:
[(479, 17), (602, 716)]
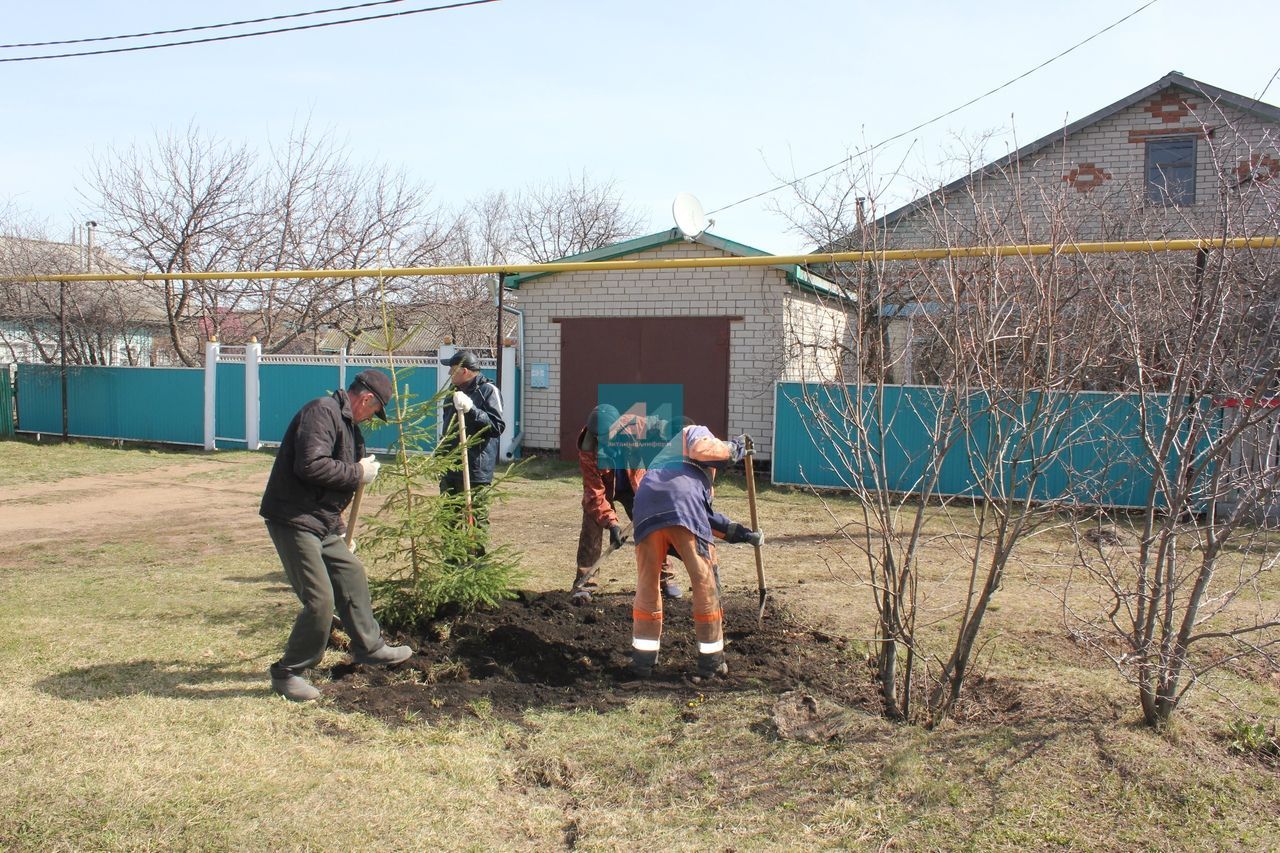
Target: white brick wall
[(757, 353), (1024, 202), (980, 212), (818, 341)]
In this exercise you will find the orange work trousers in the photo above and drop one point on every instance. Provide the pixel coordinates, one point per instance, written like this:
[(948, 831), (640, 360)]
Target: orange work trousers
[(698, 558)]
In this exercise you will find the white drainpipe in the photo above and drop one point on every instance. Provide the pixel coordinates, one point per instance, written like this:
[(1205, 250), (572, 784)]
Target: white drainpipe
[(518, 439)]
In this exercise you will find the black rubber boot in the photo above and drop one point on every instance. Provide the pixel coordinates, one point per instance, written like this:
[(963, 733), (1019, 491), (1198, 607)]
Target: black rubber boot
[(642, 663), (712, 665)]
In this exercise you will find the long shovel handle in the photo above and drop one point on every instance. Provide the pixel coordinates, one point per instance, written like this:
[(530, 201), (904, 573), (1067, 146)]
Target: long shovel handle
[(594, 568), (355, 513), (748, 457), (466, 466)]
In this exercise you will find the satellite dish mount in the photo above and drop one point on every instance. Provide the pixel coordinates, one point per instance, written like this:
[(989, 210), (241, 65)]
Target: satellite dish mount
[(690, 219)]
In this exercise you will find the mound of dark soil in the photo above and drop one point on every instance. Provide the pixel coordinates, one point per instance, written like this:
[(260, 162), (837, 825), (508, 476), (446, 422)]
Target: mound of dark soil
[(540, 651)]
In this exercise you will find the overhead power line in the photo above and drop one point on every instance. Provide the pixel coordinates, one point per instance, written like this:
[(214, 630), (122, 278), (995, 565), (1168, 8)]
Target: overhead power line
[(201, 27), (232, 37), (937, 118)]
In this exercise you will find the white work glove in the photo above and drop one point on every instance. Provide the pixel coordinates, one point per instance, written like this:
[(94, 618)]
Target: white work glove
[(369, 469), (462, 402), (352, 546)]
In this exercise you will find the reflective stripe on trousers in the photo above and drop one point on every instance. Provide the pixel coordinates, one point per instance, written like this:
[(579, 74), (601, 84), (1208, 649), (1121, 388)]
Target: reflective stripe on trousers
[(708, 619)]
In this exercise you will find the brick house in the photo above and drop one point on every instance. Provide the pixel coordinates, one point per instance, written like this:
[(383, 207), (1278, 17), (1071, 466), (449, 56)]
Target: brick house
[(110, 323), (1178, 158), (725, 334)]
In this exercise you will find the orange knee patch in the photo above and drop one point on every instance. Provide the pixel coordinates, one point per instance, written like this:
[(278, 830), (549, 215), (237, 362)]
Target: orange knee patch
[(713, 616), (646, 615)]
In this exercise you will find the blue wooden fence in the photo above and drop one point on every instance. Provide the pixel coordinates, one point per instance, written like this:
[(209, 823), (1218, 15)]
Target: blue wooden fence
[(1086, 448)]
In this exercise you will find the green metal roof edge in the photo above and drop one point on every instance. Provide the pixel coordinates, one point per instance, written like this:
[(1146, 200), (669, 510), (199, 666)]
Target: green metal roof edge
[(797, 276), (604, 253)]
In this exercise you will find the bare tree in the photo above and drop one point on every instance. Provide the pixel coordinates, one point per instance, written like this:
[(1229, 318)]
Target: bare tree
[(554, 220), (182, 204), (1013, 349), (536, 224), (105, 322), (191, 203), (1174, 589)]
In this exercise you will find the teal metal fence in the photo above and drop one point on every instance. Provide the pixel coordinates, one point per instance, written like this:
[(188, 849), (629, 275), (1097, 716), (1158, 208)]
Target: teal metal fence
[(160, 404), (6, 402), (168, 404), (1084, 448), (284, 388), (229, 426)]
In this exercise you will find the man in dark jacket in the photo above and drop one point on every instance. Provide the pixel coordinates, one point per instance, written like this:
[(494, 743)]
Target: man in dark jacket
[(320, 464), (478, 401)]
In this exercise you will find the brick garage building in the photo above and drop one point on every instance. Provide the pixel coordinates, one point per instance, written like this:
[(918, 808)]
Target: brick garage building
[(725, 334)]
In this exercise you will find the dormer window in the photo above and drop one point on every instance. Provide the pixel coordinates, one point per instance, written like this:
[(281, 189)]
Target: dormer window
[(1171, 170)]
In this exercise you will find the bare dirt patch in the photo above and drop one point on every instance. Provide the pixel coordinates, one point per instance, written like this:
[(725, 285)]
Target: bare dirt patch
[(79, 506), (541, 652)]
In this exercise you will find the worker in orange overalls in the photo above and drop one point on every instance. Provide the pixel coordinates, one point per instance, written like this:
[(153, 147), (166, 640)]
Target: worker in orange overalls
[(604, 485), (673, 512)]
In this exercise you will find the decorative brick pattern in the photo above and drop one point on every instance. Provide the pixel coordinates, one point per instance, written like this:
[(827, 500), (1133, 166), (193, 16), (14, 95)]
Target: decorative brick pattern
[(1086, 177), (1116, 143), (1141, 136), (1170, 107), (1244, 146), (1258, 168)]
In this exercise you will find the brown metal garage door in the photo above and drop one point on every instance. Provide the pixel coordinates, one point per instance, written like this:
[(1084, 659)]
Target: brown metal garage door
[(690, 351)]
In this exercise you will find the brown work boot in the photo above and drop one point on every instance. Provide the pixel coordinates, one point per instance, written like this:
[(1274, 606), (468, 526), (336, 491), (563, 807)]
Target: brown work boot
[(294, 688), (387, 655)]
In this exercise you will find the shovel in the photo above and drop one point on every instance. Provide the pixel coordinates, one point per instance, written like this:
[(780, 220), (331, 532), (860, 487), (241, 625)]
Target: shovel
[(594, 568), (355, 513), (466, 466), (749, 452)]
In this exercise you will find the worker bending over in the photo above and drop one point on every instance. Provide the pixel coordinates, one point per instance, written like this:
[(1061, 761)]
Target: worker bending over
[(673, 512), (608, 479)]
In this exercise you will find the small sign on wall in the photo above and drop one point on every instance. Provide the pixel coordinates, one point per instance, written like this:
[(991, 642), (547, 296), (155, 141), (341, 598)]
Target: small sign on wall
[(539, 375)]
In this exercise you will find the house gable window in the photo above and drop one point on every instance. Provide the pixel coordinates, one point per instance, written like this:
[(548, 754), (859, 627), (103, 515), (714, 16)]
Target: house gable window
[(1171, 170)]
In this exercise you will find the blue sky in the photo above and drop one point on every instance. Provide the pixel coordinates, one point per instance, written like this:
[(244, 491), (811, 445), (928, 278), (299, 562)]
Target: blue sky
[(722, 99)]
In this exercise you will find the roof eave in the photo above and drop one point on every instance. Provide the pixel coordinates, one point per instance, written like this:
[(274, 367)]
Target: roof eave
[(1173, 78)]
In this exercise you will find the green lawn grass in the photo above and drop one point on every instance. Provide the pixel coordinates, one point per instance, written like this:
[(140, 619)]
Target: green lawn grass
[(135, 714)]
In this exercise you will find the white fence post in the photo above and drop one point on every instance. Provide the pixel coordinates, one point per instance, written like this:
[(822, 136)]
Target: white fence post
[(509, 390), (211, 350), (444, 353), (342, 367), (252, 398)]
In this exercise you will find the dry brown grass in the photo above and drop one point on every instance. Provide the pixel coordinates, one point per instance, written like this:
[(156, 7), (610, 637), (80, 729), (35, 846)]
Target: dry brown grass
[(134, 713)]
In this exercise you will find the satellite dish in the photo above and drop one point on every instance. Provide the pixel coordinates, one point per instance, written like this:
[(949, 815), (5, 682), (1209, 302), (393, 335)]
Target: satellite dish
[(690, 219)]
